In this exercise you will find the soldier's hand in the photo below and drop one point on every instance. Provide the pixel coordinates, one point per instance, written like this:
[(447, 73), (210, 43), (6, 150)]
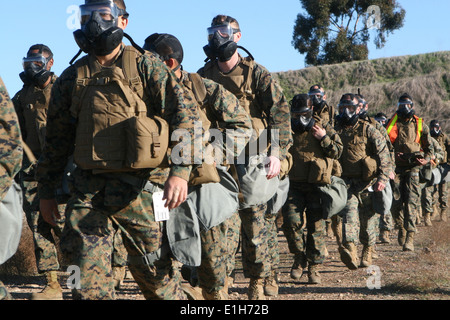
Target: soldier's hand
[(49, 211), (422, 161), (318, 132), (273, 167), (379, 186), (175, 192), (392, 175)]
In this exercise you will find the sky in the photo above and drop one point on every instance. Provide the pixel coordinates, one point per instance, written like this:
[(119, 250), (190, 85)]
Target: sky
[(267, 29)]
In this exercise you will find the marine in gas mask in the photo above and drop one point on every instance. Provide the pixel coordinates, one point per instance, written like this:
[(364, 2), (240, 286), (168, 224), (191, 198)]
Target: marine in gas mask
[(319, 99), (100, 31), (37, 66), (349, 109)]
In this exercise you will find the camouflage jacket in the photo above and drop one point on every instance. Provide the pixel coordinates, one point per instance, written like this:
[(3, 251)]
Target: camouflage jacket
[(273, 102), (10, 141), (376, 147), (444, 142), (166, 99)]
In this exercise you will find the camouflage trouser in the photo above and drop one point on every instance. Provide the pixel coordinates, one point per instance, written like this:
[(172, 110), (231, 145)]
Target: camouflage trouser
[(303, 223), (259, 242), (120, 255), (442, 195), (213, 269), (360, 221), (4, 295), (45, 245), (98, 208), (406, 208), (427, 199), (233, 241)]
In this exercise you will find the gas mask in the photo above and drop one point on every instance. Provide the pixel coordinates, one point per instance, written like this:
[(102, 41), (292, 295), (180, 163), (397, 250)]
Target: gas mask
[(435, 131), (347, 113), (405, 109), (316, 96), (302, 122), (35, 69), (221, 43), (99, 28)]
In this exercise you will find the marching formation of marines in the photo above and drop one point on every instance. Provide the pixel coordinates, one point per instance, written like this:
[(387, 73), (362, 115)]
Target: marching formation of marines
[(133, 162)]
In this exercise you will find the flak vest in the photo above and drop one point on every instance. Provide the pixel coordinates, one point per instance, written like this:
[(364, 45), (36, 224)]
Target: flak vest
[(240, 82), (441, 140), (35, 103), (306, 152), (355, 151), (406, 136), (115, 130)]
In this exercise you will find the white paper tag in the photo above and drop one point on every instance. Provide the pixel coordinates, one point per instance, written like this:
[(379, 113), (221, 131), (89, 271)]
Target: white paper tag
[(161, 212)]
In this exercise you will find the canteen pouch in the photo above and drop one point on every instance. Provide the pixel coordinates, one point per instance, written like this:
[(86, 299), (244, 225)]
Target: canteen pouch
[(369, 169), (204, 173), (147, 142), (320, 171)]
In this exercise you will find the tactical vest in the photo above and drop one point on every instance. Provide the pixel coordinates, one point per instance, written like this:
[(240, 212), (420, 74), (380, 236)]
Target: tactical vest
[(114, 130), (305, 150), (406, 136), (34, 102), (355, 151), (240, 82)]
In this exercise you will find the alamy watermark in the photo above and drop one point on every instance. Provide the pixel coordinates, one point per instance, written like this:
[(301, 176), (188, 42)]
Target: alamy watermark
[(374, 17), (374, 280)]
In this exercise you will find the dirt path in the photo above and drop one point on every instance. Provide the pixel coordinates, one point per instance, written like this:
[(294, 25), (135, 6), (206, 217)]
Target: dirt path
[(420, 275)]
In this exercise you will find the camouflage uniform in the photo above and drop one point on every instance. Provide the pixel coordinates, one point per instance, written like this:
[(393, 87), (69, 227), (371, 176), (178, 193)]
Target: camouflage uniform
[(360, 221), (258, 236), (103, 203), (31, 104), (405, 209), (11, 151), (442, 189), (304, 195), (222, 109)]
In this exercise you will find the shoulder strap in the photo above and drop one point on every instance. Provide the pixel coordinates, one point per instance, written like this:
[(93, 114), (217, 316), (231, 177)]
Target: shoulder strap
[(198, 87), (130, 60)]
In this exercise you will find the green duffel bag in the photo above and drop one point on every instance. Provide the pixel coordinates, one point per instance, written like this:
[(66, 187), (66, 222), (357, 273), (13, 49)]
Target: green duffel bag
[(11, 216), (333, 197)]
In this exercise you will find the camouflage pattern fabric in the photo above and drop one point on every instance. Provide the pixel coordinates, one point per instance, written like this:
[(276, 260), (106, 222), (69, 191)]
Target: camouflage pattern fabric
[(11, 154), (360, 221), (233, 239), (101, 205), (441, 191), (304, 196)]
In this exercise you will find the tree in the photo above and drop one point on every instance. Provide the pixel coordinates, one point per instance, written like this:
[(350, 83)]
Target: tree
[(335, 31)]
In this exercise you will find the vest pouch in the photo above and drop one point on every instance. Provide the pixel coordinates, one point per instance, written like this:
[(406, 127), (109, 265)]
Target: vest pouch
[(337, 168), (369, 169), (320, 171), (147, 142), (286, 166), (203, 174)]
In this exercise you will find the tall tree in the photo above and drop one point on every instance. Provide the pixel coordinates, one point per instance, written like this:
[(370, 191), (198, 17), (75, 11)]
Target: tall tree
[(334, 31)]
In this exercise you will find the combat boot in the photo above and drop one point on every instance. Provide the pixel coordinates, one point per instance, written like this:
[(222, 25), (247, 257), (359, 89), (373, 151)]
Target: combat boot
[(443, 214), (427, 219), (313, 274), (366, 257), (384, 237), (215, 294), (409, 243), (192, 293), (271, 285), (52, 290), (401, 236), (118, 274), (348, 254), (299, 264), (256, 289)]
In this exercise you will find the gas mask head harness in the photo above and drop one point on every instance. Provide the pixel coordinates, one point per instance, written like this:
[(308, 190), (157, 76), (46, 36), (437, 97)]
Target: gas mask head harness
[(35, 65), (348, 107), (435, 128), (100, 31), (302, 113), (165, 46), (405, 107)]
